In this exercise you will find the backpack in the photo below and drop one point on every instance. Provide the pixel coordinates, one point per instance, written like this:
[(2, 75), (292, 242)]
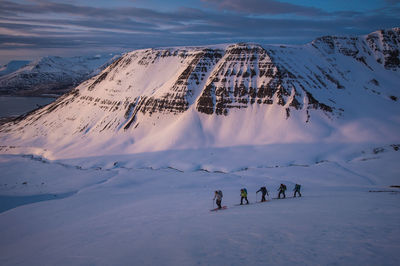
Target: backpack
[(283, 187), (298, 187), (245, 190), (220, 193)]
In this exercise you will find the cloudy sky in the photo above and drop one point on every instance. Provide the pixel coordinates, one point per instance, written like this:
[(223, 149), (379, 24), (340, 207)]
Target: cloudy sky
[(32, 28)]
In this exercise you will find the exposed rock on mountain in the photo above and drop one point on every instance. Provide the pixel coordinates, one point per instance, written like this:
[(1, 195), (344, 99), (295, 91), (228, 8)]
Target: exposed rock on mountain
[(333, 89)]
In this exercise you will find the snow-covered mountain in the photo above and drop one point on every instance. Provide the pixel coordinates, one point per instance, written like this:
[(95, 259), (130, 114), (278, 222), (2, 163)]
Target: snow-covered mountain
[(324, 115), (50, 74), (335, 89), (12, 66)]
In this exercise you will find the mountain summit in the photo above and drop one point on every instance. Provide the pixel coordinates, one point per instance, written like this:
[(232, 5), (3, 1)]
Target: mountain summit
[(50, 74), (342, 89)]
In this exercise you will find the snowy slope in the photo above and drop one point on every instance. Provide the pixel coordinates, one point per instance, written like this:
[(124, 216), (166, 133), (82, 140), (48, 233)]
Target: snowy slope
[(121, 170), (50, 74), (12, 66), (333, 90), (153, 208)]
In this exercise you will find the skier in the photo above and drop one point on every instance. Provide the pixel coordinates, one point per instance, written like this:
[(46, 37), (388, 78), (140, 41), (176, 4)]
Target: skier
[(264, 192), (297, 190), (282, 190), (218, 196), (243, 195)]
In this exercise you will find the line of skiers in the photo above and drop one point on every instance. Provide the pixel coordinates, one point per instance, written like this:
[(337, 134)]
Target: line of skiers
[(243, 194)]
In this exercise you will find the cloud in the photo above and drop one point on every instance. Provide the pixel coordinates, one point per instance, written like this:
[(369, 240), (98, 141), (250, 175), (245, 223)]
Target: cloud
[(68, 26), (14, 32), (13, 44), (392, 2), (268, 7)]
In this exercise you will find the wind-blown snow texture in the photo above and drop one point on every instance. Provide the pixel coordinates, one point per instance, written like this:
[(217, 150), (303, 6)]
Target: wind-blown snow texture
[(335, 89), (51, 74)]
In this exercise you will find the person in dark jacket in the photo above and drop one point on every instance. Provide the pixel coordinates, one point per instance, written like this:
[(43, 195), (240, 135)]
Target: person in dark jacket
[(282, 190), (297, 190), (264, 192), (243, 195), (218, 198)]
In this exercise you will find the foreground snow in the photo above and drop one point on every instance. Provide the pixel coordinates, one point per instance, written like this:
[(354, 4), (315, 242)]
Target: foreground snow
[(153, 209)]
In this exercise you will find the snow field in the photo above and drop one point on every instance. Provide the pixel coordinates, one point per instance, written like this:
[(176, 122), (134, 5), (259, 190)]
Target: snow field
[(134, 210)]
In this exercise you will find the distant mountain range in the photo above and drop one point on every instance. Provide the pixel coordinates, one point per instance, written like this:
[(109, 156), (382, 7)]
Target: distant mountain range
[(50, 75), (12, 66), (334, 89)]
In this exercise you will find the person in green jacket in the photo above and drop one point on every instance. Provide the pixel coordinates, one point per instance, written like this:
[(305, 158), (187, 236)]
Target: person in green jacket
[(243, 195), (296, 190)]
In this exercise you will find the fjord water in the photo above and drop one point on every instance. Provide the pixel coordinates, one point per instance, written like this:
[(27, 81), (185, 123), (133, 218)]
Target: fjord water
[(15, 106)]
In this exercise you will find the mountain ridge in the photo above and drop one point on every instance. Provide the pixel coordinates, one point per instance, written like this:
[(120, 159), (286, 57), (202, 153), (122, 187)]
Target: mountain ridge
[(239, 94), (50, 74), (12, 66)]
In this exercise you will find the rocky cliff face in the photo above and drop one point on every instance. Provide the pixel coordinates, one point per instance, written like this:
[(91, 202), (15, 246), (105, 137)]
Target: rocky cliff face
[(382, 45), (213, 90), (247, 75)]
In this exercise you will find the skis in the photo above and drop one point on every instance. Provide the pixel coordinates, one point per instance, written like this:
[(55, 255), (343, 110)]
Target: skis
[(251, 203), (289, 197), (263, 201), (243, 204), (217, 209)]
